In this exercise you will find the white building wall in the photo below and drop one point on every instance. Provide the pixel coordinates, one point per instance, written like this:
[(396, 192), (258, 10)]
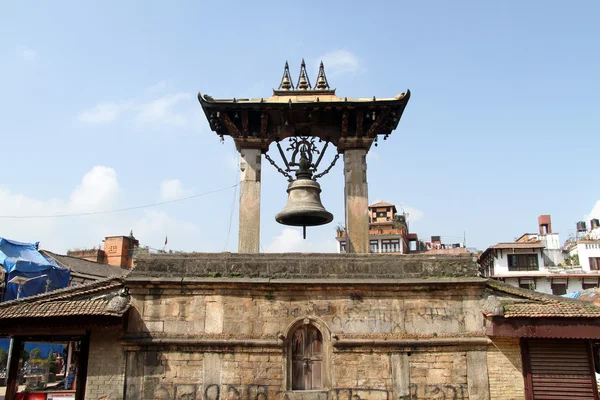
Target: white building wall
[(575, 285), (544, 284), (585, 250), (551, 241), (501, 263)]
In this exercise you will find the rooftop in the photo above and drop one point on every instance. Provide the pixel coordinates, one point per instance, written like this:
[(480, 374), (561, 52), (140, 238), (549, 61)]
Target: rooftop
[(526, 303), (86, 268)]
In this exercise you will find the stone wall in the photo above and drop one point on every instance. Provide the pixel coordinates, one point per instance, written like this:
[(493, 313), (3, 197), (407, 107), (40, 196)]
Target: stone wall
[(505, 369), (106, 366), (217, 339), (309, 265)]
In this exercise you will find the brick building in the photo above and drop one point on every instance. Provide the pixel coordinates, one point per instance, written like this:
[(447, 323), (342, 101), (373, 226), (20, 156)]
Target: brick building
[(388, 231), (118, 251)]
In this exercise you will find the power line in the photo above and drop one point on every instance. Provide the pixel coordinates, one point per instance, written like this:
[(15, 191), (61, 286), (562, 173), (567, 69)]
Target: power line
[(232, 207), (116, 210)]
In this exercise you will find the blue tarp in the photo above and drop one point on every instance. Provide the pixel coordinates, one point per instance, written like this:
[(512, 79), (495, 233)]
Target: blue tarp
[(24, 259)]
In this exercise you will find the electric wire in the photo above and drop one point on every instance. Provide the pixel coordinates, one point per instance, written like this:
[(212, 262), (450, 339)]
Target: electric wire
[(232, 206), (118, 209)]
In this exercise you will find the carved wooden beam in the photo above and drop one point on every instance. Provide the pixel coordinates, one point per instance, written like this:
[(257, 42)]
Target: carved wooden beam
[(231, 128), (345, 123), (360, 115), (245, 123), (264, 120), (383, 114)]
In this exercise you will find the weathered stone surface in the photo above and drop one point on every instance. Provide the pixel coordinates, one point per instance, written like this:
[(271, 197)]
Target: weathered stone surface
[(393, 328), (303, 266), (356, 194), (249, 228)]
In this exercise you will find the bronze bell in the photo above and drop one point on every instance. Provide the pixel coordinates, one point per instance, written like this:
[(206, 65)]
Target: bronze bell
[(304, 207)]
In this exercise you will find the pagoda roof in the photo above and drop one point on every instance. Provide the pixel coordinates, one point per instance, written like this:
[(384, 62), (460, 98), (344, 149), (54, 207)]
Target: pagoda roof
[(304, 110), (382, 204), (316, 97)]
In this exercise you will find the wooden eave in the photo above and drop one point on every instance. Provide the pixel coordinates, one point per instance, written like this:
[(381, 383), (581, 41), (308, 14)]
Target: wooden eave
[(221, 113)]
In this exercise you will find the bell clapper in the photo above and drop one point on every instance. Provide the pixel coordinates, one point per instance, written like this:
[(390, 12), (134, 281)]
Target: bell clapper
[(304, 232)]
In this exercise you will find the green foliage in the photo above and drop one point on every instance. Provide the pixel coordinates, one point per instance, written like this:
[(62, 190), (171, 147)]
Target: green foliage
[(25, 355), (572, 260), (3, 358), (422, 245), (53, 363), (35, 354), (400, 221)]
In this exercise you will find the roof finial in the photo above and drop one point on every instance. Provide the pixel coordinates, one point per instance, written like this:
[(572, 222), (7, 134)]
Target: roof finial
[(303, 81), (322, 83), (286, 80)]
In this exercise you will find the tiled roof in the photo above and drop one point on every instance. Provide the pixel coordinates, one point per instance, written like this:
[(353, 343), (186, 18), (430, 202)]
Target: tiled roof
[(90, 268), (57, 309), (83, 300), (551, 309), (531, 304), (382, 204), (519, 245)]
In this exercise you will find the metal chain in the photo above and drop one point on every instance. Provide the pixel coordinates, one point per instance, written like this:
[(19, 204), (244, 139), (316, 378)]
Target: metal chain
[(281, 171), (328, 168)]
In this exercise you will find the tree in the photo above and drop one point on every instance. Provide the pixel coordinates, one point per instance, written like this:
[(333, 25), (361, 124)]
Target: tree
[(35, 354), (3, 358), (53, 363), (24, 356)]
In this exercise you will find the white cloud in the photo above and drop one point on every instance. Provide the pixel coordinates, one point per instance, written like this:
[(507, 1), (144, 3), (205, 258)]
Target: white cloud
[(595, 213), (155, 225), (98, 191), (171, 189), (290, 240), (341, 62), (413, 214), (173, 109), (103, 113), (160, 86), (27, 54), (162, 110)]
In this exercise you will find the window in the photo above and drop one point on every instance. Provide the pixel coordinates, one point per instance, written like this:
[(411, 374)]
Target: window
[(589, 283), (523, 262), (559, 286), (390, 246), (342, 247), (307, 358), (374, 246), (595, 263), (559, 289), (527, 283)]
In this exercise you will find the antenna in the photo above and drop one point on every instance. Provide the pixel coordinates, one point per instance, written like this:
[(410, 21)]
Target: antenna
[(20, 281)]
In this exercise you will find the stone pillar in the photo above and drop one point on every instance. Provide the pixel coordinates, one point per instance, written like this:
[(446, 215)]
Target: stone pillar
[(249, 229), (357, 200), (401, 375), (477, 375)]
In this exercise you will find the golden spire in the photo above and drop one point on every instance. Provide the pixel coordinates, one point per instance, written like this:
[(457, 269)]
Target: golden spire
[(303, 81), (286, 80), (322, 83)]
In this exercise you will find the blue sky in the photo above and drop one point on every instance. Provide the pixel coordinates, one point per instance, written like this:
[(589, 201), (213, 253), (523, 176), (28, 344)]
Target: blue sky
[(99, 111)]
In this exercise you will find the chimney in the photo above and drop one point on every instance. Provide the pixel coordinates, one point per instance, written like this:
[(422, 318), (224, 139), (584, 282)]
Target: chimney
[(544, 224), (119, 250)]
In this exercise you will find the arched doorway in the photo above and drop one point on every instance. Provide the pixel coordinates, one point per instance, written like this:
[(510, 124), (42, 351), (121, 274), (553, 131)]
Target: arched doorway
[(307, 358)]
